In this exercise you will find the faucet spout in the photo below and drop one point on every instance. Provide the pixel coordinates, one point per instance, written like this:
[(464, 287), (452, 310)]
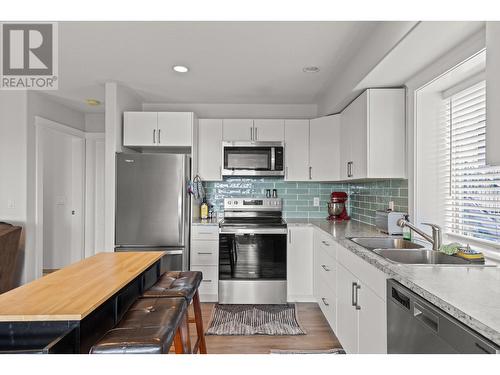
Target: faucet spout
[(435, 239)]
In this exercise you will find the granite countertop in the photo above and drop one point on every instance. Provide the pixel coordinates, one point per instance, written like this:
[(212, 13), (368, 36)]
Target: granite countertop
[(469, 294), (213, 221)]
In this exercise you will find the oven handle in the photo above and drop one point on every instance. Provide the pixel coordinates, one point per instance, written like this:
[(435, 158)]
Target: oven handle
[(226, 230)]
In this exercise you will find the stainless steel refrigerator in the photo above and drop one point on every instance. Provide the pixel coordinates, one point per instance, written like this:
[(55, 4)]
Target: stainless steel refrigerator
[(153, 206)]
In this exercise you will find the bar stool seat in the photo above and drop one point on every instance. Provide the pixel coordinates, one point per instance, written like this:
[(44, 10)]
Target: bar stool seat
[(176, 284), (149, 327), (185, 284)]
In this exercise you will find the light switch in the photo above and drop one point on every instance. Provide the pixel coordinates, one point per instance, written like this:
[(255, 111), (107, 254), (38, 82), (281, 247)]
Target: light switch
[(316, 202)]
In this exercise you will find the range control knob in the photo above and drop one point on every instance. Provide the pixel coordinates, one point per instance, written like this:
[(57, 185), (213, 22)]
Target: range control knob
[(235, 202)]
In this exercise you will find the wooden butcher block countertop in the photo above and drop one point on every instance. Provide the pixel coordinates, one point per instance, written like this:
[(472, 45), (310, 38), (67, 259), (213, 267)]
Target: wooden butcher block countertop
[(73, 292)]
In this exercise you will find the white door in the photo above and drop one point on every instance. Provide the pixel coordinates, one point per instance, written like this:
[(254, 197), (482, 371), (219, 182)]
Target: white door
[(175, 129), (269, 130), (347, 317), (237, 130), (358, 135), (372, 329), (140, 128), (324, 153), (210, 149), (299, 267), (296, 150)]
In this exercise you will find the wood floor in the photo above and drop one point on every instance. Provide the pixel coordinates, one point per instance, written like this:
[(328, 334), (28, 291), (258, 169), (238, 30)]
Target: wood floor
[(319, 335)]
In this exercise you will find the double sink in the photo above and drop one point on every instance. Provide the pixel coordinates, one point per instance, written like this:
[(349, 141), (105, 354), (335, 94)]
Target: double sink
[(401, 251)]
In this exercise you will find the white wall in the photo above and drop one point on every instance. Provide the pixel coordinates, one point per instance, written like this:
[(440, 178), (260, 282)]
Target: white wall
[(117, 100), (238, 110), (94, 122)]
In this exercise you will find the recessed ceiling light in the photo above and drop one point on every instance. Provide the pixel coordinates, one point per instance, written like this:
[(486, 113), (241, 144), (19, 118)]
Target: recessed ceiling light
[(180, 68), (310, 69), (93, 102)]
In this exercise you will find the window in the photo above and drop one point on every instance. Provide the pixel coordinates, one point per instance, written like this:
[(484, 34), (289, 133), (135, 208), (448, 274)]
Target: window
[(473, 204)]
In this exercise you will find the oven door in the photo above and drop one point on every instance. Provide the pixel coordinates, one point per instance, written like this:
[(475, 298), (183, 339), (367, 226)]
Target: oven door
[(252, 255)]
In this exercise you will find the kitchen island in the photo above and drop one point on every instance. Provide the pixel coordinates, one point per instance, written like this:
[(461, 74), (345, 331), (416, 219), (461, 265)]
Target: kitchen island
[(68, 310)]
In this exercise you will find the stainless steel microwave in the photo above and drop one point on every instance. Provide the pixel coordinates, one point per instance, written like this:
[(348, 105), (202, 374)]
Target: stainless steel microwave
[(253, 159)]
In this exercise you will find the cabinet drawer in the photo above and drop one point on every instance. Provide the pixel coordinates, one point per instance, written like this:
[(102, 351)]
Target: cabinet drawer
[(210, 281), (205, 232), (327, 301), (327, 244), (364, 271), (205, 253), (326, 267)]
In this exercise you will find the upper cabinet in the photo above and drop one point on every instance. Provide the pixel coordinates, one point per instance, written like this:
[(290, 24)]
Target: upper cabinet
[(271, 130), (492, 92), (237, 130), (253, 130), (297, 150), (210, 149), (373, 136), (324, 139), (153, 129)]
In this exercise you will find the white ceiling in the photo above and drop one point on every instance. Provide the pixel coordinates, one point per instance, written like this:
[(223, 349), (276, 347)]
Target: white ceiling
[(230, 62)]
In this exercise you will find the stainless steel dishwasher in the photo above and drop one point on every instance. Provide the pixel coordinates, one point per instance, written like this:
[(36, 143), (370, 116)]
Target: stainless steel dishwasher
[(414, 326)]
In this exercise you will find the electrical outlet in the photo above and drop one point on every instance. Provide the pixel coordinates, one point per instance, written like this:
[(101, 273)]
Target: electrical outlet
[(316, 202)]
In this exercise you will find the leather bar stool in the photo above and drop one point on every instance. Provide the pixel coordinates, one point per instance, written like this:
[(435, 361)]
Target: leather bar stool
[(185, 284), (149, 327)]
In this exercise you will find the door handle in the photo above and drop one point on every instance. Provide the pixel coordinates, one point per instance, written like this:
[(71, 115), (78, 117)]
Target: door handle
[(159, 136), (256, 134), (286, 172), (353, 294), (358, 287), (348, 169), (310, 172), (325, 268), (325, 301), (206, 281), (154, 135), (325, 243), (289, 236), (201, 253), (251, 133)]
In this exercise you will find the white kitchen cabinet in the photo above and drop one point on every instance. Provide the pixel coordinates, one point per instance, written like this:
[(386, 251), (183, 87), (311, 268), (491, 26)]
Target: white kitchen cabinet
[(299, 264), (175, 129), (296, 150), (237, 129), (204, 253), (158, 129), (347, 316), (373, 136), (492, 92), (210, 149), (372, 324), (271, 130), (324, 152), (139, 128)]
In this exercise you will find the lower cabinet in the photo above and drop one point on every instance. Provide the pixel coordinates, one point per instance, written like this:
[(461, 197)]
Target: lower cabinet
[(299, 264), (347, 315), (205, 258)]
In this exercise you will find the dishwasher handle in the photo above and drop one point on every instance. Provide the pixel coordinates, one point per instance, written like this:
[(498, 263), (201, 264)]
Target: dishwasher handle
[(426, 317)]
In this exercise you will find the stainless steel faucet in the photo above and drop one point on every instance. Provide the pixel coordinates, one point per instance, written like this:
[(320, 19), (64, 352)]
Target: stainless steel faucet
[(436, 238)]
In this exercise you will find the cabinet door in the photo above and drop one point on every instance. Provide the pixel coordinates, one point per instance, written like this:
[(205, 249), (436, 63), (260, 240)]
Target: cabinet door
[(210, 149), (175, 129), (299, 264), (372, 338), (140, 128), (358, 136), (237, 130), (324, 150), (296, 150), (269, 130), (347, 317)]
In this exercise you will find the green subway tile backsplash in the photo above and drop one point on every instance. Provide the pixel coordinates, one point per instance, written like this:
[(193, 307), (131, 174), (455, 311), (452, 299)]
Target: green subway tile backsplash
[(298, 197)]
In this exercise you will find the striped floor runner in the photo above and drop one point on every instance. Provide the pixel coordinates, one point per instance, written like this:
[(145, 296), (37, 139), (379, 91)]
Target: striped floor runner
[(246, 320)]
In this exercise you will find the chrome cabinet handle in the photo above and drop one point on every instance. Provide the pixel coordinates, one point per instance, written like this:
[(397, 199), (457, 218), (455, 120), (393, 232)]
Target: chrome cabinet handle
[(348, 168), (159, 136), (256, 134), (251, 133), (325, 243), (286, 172), (325, 268), (310, 172), (358, 287), (289, 236), (206, 281), (154, 135), (325, 301), (353, 294), (201, 253)]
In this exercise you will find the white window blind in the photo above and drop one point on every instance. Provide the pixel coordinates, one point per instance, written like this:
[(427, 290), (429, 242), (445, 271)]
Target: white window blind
[(473, 204)]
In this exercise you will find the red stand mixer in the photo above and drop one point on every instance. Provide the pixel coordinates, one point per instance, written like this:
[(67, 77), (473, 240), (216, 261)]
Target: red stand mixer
[(336, 206)]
